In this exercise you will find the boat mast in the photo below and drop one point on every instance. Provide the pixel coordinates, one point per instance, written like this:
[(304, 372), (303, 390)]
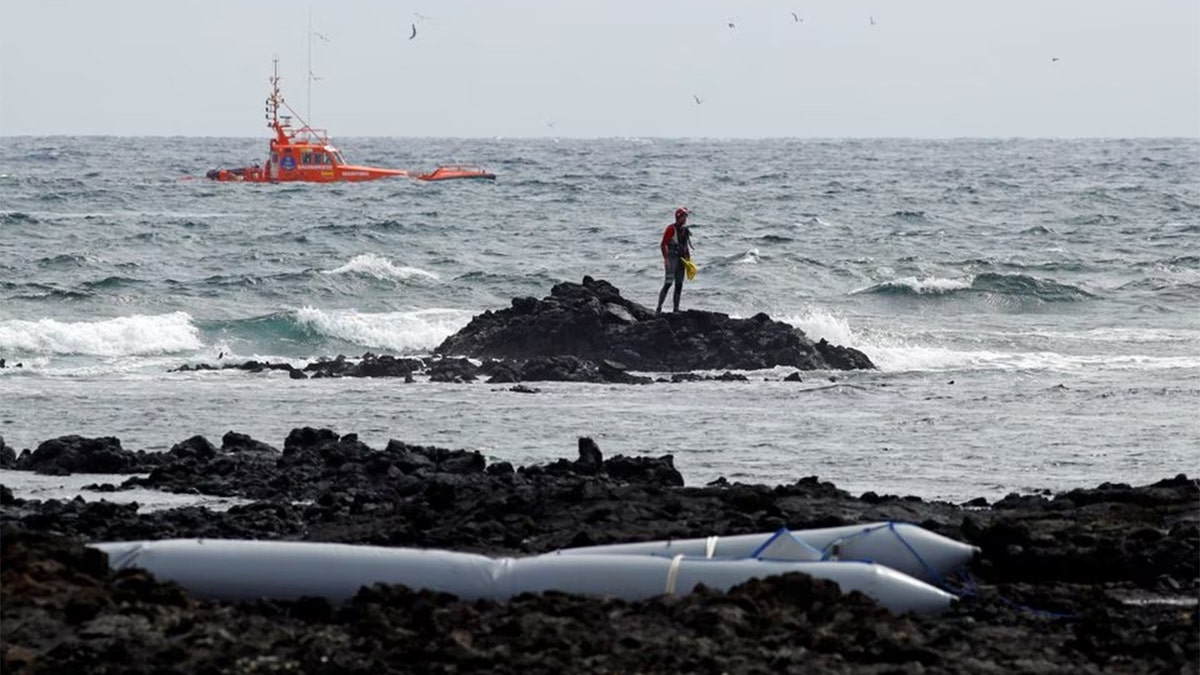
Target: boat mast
[(274, 101)]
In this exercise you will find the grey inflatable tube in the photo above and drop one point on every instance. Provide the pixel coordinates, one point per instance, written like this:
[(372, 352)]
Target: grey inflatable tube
[(901, 546), (236, 569)]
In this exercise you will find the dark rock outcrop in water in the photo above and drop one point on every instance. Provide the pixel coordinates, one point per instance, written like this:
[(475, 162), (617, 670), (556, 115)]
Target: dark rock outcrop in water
[(1088, 581), (588, 333), (592, 321)]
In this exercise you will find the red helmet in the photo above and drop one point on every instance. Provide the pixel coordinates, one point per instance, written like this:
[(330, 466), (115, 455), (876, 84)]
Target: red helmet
[(681, 212)]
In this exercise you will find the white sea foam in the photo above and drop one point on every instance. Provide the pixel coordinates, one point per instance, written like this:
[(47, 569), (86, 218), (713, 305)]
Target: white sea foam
[(377, 266), (750, 257), (886, 352), (1125, 335), (29, 485), (926, 285), (136, 335), (401, 331), (900, 353), (896, 355)]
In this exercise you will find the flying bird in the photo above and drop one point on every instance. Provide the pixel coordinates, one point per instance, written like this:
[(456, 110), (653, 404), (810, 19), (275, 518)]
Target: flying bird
[(323, 38), (698, 101), (414, 33), (1054, 59), (872, 20), (796, 18), (731, 24)]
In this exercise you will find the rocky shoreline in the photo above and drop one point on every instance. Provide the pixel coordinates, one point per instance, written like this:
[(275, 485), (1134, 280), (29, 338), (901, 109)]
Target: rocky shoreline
[(1096, 580)]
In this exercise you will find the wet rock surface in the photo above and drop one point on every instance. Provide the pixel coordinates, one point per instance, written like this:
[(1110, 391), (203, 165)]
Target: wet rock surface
[(1097, 580), (592, 321)]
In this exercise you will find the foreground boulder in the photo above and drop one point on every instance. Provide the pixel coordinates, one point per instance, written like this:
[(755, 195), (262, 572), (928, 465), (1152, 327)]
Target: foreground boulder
[(592, 321)]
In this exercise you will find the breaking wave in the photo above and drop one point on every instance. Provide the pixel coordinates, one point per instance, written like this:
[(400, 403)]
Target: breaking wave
[(1016, 285), (136, 335)]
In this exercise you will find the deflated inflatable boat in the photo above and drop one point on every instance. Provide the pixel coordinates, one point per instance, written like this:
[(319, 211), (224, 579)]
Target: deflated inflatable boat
[(907, 548), (237, 569)]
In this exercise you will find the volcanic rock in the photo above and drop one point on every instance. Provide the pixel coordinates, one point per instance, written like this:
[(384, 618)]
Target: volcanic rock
[(591, 321), (1090, 581), (75, 454)]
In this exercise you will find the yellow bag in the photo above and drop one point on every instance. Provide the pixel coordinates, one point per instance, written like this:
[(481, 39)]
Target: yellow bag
[(689, 268)]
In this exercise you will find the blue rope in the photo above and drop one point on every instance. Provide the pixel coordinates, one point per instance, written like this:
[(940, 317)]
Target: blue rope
[(929, 571), (973, 591), (826, 554)]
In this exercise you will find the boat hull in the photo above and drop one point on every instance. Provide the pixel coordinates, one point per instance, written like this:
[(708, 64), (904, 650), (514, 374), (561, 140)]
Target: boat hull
[(339, 174), (343, 174)]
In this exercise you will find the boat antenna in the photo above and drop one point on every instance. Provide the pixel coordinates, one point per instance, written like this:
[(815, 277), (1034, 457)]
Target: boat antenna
[(274, 99)]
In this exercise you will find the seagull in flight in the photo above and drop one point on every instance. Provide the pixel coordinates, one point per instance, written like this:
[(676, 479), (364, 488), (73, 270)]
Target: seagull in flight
[(1054, 59), (796, 18), (414, 32), (872, 20), (731, 24), (323, 38), (698, 101)]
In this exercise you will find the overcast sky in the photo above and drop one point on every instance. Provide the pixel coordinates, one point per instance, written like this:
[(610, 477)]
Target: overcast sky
[(604, 68)]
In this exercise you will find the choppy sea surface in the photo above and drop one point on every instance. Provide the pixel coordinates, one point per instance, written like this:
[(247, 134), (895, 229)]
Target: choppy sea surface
[(1033, 305)]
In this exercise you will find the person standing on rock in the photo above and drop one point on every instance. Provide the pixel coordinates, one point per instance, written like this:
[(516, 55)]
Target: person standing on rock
[(676, 247)]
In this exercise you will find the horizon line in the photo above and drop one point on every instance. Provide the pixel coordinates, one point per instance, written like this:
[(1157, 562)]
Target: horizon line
[(632, 137)]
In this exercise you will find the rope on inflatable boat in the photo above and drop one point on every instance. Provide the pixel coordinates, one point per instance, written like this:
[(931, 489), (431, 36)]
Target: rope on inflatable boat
[(673, 574), (710, 546)]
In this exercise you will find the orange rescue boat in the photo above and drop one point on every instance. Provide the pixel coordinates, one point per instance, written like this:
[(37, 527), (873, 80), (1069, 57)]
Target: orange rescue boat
[(307, 154)]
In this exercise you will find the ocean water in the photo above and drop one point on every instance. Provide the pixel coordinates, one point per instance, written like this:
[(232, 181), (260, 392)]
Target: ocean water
[(1033, 305)]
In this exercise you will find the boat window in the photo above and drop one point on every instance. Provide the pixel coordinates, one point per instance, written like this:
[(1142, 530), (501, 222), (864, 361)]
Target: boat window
[(322, 158), (337, 157), (306, 158)]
